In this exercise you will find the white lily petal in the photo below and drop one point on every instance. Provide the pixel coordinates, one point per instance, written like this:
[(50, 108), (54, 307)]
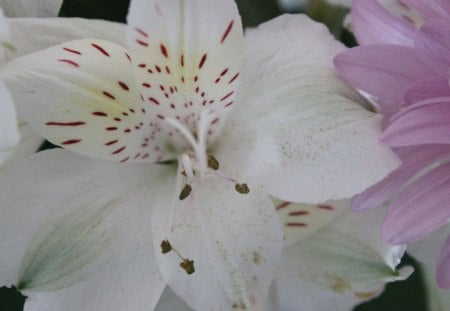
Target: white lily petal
[(426, 252), (35, 34), (300, 220), (128, 280), (30, 141), (31, 8), (96, 107), (341, 265), (9, 133), (299, 129), (190, 54), (53, 234), (234, 240)]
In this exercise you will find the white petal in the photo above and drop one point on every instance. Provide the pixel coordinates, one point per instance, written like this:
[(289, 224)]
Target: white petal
[(234, 240), (31, 8), (426, 252), (341, 265), (34, 34), (128, 280), (300, 220), (298, 128), (96, 106), (61, 213), (9, 133), (30, 141), (191, 53)]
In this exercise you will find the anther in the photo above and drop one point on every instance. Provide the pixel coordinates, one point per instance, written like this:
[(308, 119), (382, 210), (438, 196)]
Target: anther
[(185, 192), (188, 266), (212, 162), (165, 247), (242, 188)]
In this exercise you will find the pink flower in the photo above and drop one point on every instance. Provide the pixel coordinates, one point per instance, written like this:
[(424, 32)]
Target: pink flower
[(404, 63)]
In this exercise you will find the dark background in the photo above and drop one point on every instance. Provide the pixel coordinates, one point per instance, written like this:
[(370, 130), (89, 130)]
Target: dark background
[(400, 296)]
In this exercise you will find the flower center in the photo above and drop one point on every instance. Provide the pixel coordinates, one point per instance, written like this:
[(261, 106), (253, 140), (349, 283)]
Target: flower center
[(195, 160)]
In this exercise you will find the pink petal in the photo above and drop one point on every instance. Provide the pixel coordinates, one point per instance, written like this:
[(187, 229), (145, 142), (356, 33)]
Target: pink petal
[(373, 24), (433, 44), (414, 160), (443, 266), (427, 124), (421, 209), (434, 88), (382, 70), (430, 8)]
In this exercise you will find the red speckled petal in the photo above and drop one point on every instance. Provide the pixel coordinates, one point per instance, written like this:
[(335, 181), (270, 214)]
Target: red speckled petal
[(83, 96), (188, 57)]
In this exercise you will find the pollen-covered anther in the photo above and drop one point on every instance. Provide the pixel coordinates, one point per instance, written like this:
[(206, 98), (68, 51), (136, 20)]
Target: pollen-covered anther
[(212, 162), (242, 188), (185, 192), (188, 266), (166, 247)]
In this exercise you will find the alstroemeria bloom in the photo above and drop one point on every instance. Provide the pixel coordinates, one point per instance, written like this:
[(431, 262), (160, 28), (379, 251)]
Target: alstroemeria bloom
[(404, 63), (280, 123)]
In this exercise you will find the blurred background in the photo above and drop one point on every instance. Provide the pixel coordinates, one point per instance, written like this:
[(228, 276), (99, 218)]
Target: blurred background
[(408, 295)]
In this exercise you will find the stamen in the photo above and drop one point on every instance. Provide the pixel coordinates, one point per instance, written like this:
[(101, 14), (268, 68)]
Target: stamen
[(242, 188), (212, 162), (188, 170), (165, 246), (184, 131), (202, 129), (185, 192), (188, 266)]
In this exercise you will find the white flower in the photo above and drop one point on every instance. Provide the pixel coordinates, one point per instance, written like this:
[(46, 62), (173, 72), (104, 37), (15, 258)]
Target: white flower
[(281, 124)]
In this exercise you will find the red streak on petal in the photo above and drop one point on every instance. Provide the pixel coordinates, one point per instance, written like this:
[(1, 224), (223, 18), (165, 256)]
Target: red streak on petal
[(102, 50), (140, 31), (119, 150), (164, 50), (72, 51), (71, 142), (125, 160), (296, 224), (283, 205), (202, 61), (147, 85), (112, 142), (234, 78), (112, 128), (66, 123), (109, 95), (229, 104), (99, 114), (182, 60), (123, 85), (153, 100), (140, 42), (227, 32), (226, 96), (68, 61), (298, 213)]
